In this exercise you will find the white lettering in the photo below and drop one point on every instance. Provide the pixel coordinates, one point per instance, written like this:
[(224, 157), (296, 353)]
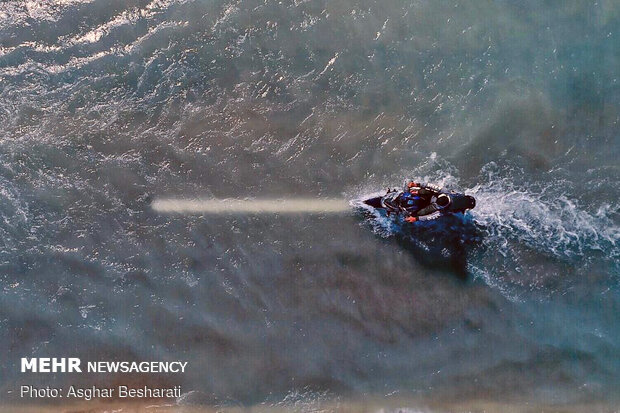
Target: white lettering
[(74, 365), (50, 365), (44, 365), (29, 365), (58, 365)]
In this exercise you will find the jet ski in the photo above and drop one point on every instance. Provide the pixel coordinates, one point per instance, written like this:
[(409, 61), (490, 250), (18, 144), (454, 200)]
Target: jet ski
[(445, 203), (445, 243)]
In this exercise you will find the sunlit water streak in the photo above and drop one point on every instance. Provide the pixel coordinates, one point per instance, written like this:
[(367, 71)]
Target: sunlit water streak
[(250, 206)]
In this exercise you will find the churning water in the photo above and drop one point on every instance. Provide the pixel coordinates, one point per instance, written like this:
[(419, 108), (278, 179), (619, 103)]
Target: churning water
[(113, 111)]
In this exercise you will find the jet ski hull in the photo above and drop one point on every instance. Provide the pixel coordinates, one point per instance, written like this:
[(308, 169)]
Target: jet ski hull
[(374, 202), (460, 203)]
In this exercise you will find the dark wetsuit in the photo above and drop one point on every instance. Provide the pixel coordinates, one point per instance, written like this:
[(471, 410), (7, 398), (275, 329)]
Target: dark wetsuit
[(427, 207), (412, 202)]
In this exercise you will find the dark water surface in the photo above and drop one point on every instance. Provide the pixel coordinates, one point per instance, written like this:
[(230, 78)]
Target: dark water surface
[(107, 105)]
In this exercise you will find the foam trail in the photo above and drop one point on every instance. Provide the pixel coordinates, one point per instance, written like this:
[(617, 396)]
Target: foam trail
[(250, 206)]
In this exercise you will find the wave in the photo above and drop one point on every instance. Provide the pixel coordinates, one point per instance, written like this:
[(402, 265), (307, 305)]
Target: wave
[(544, 219)]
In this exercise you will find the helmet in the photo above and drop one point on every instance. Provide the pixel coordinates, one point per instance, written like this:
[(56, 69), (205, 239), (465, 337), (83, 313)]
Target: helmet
[(443, 200)]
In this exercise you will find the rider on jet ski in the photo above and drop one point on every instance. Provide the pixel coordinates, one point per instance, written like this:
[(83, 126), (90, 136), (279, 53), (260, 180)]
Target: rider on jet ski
[(423, 202)]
